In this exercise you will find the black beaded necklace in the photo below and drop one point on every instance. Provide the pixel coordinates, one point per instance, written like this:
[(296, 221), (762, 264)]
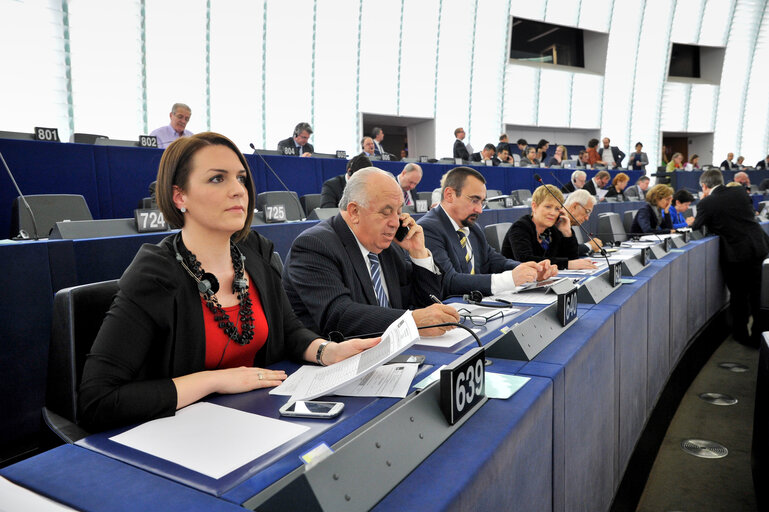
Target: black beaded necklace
[(239, 286)]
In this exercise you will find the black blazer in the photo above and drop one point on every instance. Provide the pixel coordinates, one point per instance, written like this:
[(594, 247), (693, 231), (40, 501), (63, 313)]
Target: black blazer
[(460, 150), (521, 243), (613, 192), (332, 191), (590, 187), (762, 165), (154, 332), (728, 213), (568, 188), (645, 220), (329, 285), (476, 157), (448, 254), (616, 153), (726, 164), (288, 147)]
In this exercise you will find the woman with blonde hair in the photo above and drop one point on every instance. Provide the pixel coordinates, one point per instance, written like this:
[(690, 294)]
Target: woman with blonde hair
[(654, 216)]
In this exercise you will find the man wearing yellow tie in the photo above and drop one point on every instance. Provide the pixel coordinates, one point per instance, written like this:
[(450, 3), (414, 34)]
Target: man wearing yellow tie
[(408, 179), (460, 248)]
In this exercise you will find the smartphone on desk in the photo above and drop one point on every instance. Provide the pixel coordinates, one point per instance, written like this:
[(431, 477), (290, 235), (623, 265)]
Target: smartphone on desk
[(310, 409)]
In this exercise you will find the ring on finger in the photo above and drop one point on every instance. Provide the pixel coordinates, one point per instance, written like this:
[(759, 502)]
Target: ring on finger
[(260, 375)]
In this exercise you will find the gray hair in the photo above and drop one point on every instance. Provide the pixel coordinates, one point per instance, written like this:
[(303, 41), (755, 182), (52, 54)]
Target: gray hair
[(712, 178), (302, 127), (578, 174), (580, 196), (180, 105), (412, 167), (355, 190)]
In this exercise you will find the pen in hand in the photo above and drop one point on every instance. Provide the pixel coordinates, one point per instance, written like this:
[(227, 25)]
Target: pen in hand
[(435, 299)]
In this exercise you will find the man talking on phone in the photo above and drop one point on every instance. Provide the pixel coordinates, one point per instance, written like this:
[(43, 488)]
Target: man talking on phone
[(352, 274), (460, 247)]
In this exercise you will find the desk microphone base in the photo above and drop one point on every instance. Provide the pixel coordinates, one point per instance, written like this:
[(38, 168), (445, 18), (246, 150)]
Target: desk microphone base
[(524, 340), (595, 289)]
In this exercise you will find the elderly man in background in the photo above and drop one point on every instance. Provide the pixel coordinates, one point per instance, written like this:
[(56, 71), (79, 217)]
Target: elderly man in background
[(408, 180), (581, 204), (297, 144), (180, 116)]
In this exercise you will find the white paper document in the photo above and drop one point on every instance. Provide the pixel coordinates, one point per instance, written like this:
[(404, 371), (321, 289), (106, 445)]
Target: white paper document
[(312, 381), (14, 497), (390, 380), (526, 298), (209, 438), (447, 339)]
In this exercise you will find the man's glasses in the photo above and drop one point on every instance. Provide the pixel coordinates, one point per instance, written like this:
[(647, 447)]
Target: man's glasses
[(478, 320)]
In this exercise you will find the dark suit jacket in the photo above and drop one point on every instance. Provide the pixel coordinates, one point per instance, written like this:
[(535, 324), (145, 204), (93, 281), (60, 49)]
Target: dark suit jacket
[(330, 288), (460, 150), (728, 213), (332, 191), (288, 147), (616, 153), (726, 164), (590, 187), (443, 242), (568, 188), (646, 221), (476, 157), (155, 332), (521, 243), (762, 165), (613, 192)]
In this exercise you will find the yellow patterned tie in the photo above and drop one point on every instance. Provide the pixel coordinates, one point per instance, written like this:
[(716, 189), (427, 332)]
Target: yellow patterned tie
[(465, 246)]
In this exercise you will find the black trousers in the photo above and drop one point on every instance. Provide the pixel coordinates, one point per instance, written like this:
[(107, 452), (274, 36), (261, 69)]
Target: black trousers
[(743, 279)]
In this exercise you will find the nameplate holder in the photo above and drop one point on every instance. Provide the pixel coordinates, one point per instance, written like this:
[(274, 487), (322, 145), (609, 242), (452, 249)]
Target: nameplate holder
[(509, 202), (658, 251), (488, 163), (458, 161), (340, 153), (385, 156), (289, 151), (275, 213), (463, 384), (666, 244), (46, 134), (148, 141), (678, 241), (566, 307), (421, 205), (597, 288), (149, 220), (423, 159), (637, 263)]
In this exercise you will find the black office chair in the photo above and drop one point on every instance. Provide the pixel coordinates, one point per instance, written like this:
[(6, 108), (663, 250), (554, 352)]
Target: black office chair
[(495, 234), (77, 316), (322, 213), (627, 220), (289, 200), (48, 209), (610, 228), (425, 196), (493, 193), (310, 202), (86, 138), (276, 262), (521, 197), (147, 203)]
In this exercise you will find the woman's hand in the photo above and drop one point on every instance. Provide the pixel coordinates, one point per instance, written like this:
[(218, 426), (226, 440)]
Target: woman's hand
[(191, 388), (564, 224), (335, 352)]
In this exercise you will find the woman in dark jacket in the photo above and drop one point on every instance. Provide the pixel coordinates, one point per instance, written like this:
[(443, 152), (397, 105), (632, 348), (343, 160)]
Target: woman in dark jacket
[(654, 216), (618, 185)]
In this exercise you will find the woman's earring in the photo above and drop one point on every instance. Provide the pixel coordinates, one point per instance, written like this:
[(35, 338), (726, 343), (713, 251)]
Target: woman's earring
[(183, 209)]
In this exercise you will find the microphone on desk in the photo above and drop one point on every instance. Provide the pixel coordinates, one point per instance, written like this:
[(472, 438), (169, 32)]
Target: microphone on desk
[(588, 235), (291, 193), (23, 200)]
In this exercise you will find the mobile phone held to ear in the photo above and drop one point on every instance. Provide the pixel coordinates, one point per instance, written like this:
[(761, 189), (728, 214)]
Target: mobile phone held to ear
[(401, 233), (305, 409)]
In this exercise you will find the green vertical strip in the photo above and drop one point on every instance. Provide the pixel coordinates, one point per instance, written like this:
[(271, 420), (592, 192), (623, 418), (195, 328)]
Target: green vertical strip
[(143, 57), (68, 65), (472, 65), (505, 59), (264, 76), (437, 53), (312, 74), (400, 54), (208, 65), (357, 77)]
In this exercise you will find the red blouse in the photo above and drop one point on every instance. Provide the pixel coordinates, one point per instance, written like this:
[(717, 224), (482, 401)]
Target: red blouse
[(235, 355)]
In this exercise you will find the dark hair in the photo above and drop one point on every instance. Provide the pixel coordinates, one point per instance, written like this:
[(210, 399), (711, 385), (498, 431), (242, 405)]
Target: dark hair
[(712, 178), (302, 127), (542, 143), (458, 130), (522, 142), (639, 144), (456, 177), (502, 137), (357, 163), (683, 196), (175, 168), (375, 131), (592, 143), (491, 147)]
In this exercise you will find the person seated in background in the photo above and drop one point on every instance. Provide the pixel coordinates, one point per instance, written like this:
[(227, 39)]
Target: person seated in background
[(504, 143), (654, 216), (763, 164), (676, 163), (612, 155), (694, 163), (180, 116), (408, 180), (740, 163), (638, 191), (349, 273), (520, 152), (332, 189), (581, 204), (486, 154), (504, 157), (728, 164), (297, 144), (618, 184), (743, 179), (367, 147), (560, 155), (459, 245), (542, 147), (583, 160), (203, 311), (682, 199), (599, 181), (529, 157), (638, 160), (593, 158), (460, 149), (545, 234), (577, 182)]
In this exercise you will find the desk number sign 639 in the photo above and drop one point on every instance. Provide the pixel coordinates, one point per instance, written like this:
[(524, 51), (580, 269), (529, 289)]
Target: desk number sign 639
[(463, 384)]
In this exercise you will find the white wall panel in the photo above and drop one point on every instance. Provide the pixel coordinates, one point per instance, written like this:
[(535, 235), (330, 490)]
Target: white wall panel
[(702, 100), (379, 57), (417, 76), (686, 21), (530, 10), (586, 93), (176, 60), (33, 91), (675, 107), (288, 69), (714, 28), (562, 12), (755, 130), (522, 91), (236, 72), (554, 98), (596, 14), (453, 93)]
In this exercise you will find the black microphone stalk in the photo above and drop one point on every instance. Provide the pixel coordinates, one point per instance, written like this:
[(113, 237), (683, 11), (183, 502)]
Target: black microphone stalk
[(23, 199), (278, 178)]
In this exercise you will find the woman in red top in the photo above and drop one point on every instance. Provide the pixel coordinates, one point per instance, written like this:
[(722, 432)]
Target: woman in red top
[(593, 157), (204, 310)]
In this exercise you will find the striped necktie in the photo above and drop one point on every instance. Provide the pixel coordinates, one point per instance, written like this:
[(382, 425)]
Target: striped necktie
[(468, 250), (376, 280), (406, 198)]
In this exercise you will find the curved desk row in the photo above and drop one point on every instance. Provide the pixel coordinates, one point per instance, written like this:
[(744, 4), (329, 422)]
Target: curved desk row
[(560, 443)]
